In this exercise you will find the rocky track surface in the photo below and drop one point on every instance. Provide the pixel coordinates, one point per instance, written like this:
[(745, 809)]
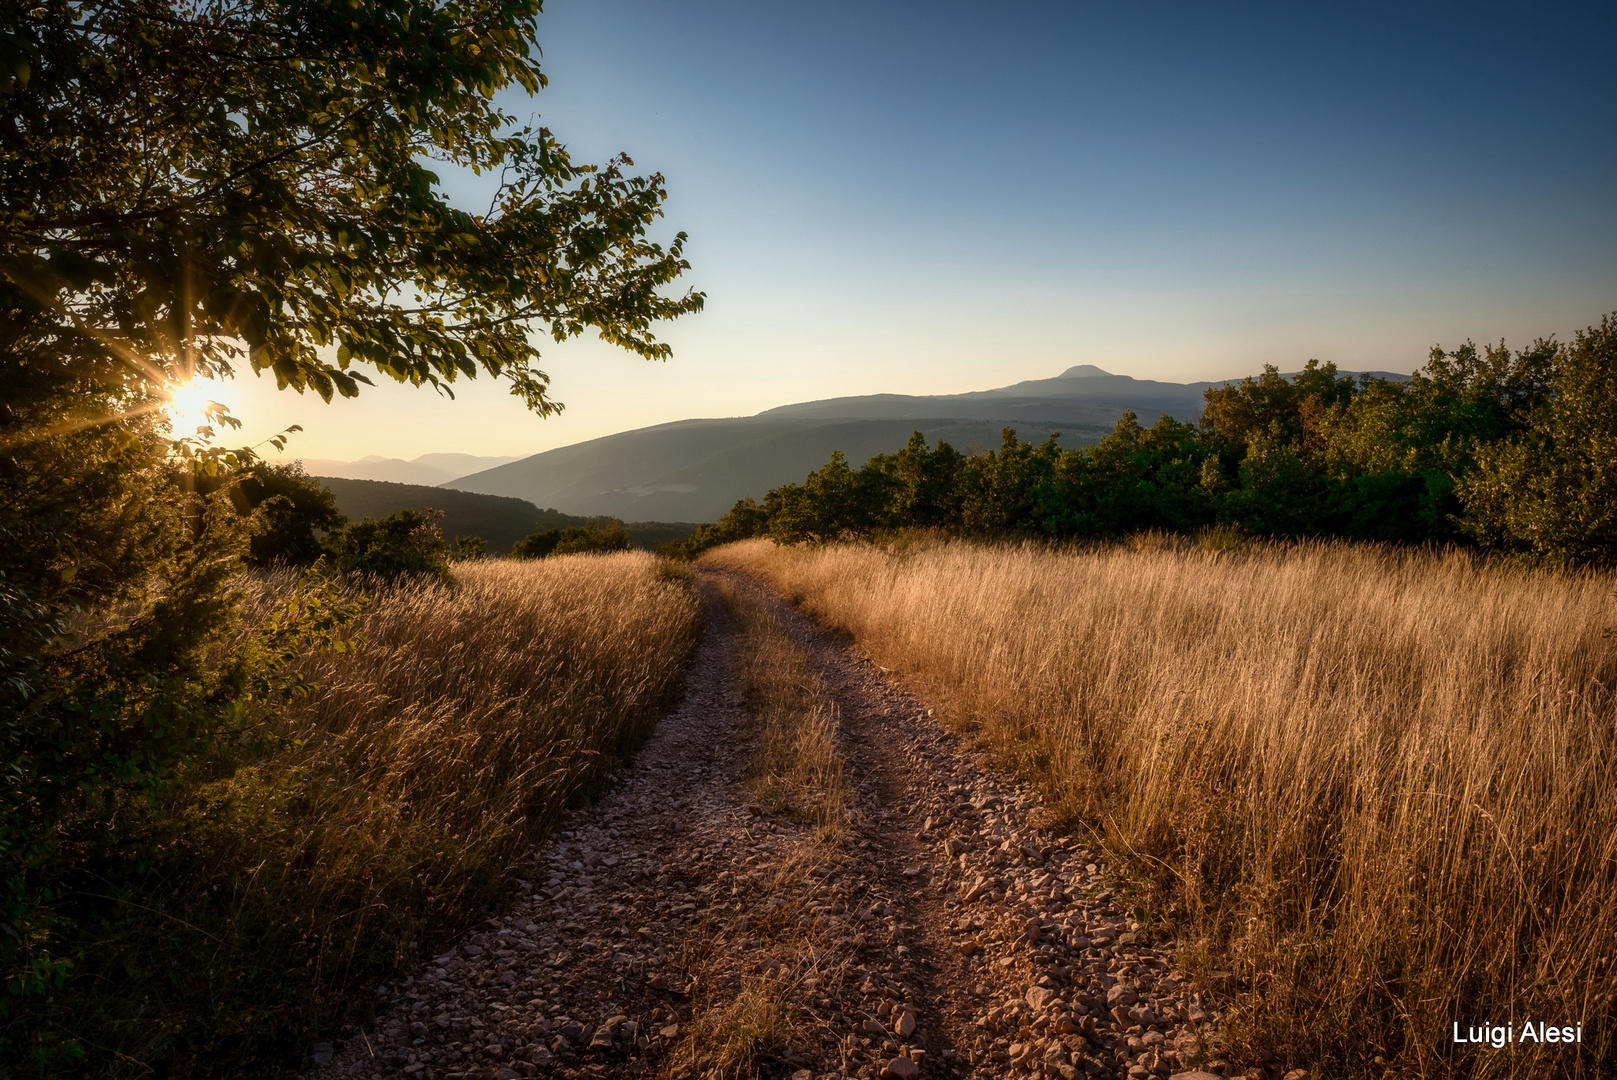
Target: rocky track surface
[(941, 932)]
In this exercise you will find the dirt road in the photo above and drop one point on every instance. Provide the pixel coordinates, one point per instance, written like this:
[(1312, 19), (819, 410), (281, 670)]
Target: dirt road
[(681, 931)]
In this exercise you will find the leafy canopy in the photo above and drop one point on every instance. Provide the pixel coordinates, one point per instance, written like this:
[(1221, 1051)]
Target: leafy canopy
[(184, 184)]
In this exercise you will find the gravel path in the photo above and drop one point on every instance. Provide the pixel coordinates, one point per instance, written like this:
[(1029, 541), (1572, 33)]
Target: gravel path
[(942, 933)]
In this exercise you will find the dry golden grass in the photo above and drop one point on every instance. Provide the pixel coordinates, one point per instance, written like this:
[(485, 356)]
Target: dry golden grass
[(410, 789), (795, 767), (1376, 784)]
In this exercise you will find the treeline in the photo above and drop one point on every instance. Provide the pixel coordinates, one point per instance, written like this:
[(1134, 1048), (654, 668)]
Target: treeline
[(1515, 452)]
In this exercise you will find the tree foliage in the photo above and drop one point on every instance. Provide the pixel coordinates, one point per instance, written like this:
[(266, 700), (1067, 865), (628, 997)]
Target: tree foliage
[(743, 521), (295, 512), (597, 536), (186, 186), (1548, 489), (403, 544)]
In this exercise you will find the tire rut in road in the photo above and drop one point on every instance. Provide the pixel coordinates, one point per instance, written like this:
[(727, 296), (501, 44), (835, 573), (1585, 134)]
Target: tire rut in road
[(1009, 930), (939, 933)]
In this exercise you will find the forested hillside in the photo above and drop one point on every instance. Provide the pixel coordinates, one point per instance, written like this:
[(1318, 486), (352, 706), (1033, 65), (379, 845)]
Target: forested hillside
[(1515, 452), (498, 520)]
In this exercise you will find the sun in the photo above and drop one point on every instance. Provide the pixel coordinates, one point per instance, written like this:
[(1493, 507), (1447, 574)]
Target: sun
[(188, 408)]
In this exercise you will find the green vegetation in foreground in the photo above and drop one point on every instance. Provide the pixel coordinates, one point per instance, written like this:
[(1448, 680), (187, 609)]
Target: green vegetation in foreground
[(1513, 452)]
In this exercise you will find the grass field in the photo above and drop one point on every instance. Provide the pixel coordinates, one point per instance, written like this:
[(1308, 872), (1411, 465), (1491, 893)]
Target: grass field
[(1369, 790), (405, 798)]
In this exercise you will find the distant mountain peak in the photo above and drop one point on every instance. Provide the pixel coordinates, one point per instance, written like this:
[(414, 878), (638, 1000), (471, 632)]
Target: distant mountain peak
[(1083, 371)]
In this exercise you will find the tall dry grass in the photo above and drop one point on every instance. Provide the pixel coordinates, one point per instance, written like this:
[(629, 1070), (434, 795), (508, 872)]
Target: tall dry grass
[(404, 797), (1376, 785)]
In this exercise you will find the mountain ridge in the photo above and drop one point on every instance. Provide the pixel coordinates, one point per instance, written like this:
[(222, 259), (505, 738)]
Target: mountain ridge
[(695, 469)]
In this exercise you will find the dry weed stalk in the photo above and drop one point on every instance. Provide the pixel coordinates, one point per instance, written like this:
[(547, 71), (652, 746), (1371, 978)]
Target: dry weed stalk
[(1376, 783)]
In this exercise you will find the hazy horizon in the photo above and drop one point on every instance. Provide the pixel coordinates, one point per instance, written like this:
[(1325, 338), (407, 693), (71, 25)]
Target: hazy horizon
[(895, 199)]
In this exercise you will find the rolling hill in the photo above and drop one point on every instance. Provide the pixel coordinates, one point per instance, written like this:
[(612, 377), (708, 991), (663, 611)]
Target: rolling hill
[(429, 469), (693, 470), (499, 520)]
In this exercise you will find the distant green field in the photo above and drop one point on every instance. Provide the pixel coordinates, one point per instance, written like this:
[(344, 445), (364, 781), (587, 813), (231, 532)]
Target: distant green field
[(501, 521)]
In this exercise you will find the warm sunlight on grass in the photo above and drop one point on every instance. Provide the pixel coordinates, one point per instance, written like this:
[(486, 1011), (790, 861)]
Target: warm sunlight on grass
[(405, 796), (1375, 784)]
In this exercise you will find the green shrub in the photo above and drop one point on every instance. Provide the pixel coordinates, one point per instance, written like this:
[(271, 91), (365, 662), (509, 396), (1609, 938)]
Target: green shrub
[(743, 521), (294, 511), (1513, 451), (469, 548), (574, 540), (404, 544)]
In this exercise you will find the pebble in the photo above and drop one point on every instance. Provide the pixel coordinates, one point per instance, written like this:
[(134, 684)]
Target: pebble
[(902, 1068)]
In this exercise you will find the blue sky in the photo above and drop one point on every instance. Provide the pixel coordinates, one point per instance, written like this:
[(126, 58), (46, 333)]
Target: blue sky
[(932, 198)]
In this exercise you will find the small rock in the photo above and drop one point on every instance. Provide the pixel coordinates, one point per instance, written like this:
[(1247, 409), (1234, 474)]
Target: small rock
[(322, 1054), (1195, 1074), (905, 1025), (873, 1027), (902, 1068), (1297, 1074), (669, 1032), (802, 1074), (1039, 997), (1120, 997)]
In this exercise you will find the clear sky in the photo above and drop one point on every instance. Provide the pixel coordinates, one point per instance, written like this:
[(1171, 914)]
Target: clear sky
[(939, 197)]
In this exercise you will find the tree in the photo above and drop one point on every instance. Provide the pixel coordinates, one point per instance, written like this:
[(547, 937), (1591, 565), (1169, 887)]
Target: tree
[(402, 544), (834, 502), (1549, 492), (929, 490), (1285, 411), (193, 188), (295, 511), (743, 521), (573, 540)]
